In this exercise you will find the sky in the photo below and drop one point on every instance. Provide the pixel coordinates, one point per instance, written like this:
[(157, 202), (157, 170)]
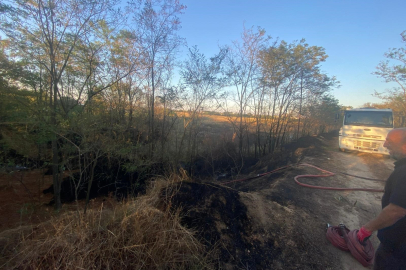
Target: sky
[(355, 34)]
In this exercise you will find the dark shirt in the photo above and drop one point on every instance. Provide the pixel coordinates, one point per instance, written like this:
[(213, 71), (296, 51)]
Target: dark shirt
[(395, 193)]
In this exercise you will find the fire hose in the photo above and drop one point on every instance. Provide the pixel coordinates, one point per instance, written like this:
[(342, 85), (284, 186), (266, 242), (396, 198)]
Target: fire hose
[(327, 174), (346, 240), (339, 236)]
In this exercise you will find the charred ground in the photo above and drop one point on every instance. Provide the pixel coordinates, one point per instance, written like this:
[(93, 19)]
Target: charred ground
[(268, 222), (264, 223)]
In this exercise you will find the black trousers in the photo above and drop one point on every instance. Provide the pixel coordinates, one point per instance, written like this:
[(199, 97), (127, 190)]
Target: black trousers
[(390, 259)]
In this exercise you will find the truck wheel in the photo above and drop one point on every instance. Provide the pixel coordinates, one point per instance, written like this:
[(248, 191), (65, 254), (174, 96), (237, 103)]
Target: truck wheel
[(341, 149)]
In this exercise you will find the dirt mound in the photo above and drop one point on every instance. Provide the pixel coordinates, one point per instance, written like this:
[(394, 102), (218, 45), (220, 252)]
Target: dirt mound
[(247, 230), (221, 221)]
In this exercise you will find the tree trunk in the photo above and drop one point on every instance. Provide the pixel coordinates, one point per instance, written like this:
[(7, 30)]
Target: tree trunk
[(55, 162), (152, 120), (89, 184)]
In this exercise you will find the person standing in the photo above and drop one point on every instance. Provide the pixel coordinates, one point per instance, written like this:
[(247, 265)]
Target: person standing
[(391, 221)]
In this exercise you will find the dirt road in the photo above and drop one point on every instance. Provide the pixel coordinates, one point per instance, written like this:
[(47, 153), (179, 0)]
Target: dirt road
[(292, 219), (358, 207)]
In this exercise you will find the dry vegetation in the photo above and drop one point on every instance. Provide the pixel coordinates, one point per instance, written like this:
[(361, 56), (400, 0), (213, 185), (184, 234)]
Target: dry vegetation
[(137, 234)]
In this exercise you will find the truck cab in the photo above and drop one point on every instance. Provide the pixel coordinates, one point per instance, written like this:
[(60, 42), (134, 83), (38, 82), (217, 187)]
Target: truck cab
[(365, 130)]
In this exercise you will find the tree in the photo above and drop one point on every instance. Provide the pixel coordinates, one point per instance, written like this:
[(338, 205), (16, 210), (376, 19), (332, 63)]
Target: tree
[(125, 57), (242, 71), (394, 70), (48, 34), (319, 115), (203, 83), (291, 72), (157, 25), (16, 110)]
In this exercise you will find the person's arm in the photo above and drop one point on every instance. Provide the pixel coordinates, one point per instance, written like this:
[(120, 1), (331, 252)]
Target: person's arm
[(387, 217)]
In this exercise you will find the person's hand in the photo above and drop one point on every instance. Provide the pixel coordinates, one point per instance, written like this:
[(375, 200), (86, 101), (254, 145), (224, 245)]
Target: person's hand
[(363, 235)]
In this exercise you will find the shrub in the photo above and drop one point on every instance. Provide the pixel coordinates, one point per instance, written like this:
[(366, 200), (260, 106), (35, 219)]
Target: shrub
[(131, 235)]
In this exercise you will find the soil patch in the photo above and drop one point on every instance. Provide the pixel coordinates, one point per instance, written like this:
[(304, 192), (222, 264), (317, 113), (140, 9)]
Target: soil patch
[(220, 219), (21, 199)]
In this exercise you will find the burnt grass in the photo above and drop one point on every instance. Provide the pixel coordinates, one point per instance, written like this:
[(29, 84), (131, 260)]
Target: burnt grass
[(221, 222)]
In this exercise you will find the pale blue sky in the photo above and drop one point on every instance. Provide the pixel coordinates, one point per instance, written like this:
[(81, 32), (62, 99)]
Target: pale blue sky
[(355, 34)]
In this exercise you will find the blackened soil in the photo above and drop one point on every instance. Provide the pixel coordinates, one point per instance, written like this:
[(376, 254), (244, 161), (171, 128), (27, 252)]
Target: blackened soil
[(221, 221)]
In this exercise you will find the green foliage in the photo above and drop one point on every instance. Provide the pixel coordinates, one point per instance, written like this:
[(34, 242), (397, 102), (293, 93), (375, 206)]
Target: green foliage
[(131, 167), (322, 114), (393, 69)]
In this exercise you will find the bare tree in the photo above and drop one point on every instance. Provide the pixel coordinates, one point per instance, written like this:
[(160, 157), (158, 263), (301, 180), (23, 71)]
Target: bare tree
[(242, 71), (203, 83), (157, 25)]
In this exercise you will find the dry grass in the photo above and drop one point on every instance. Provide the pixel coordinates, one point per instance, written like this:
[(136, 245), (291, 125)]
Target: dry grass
[(132, 235)]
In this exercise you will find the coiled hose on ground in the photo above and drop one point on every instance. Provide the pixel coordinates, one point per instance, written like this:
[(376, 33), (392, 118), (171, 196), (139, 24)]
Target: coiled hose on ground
[(344, 239)]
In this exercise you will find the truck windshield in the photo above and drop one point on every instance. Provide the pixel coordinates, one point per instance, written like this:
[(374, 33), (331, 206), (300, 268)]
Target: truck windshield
[(369, 118)]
